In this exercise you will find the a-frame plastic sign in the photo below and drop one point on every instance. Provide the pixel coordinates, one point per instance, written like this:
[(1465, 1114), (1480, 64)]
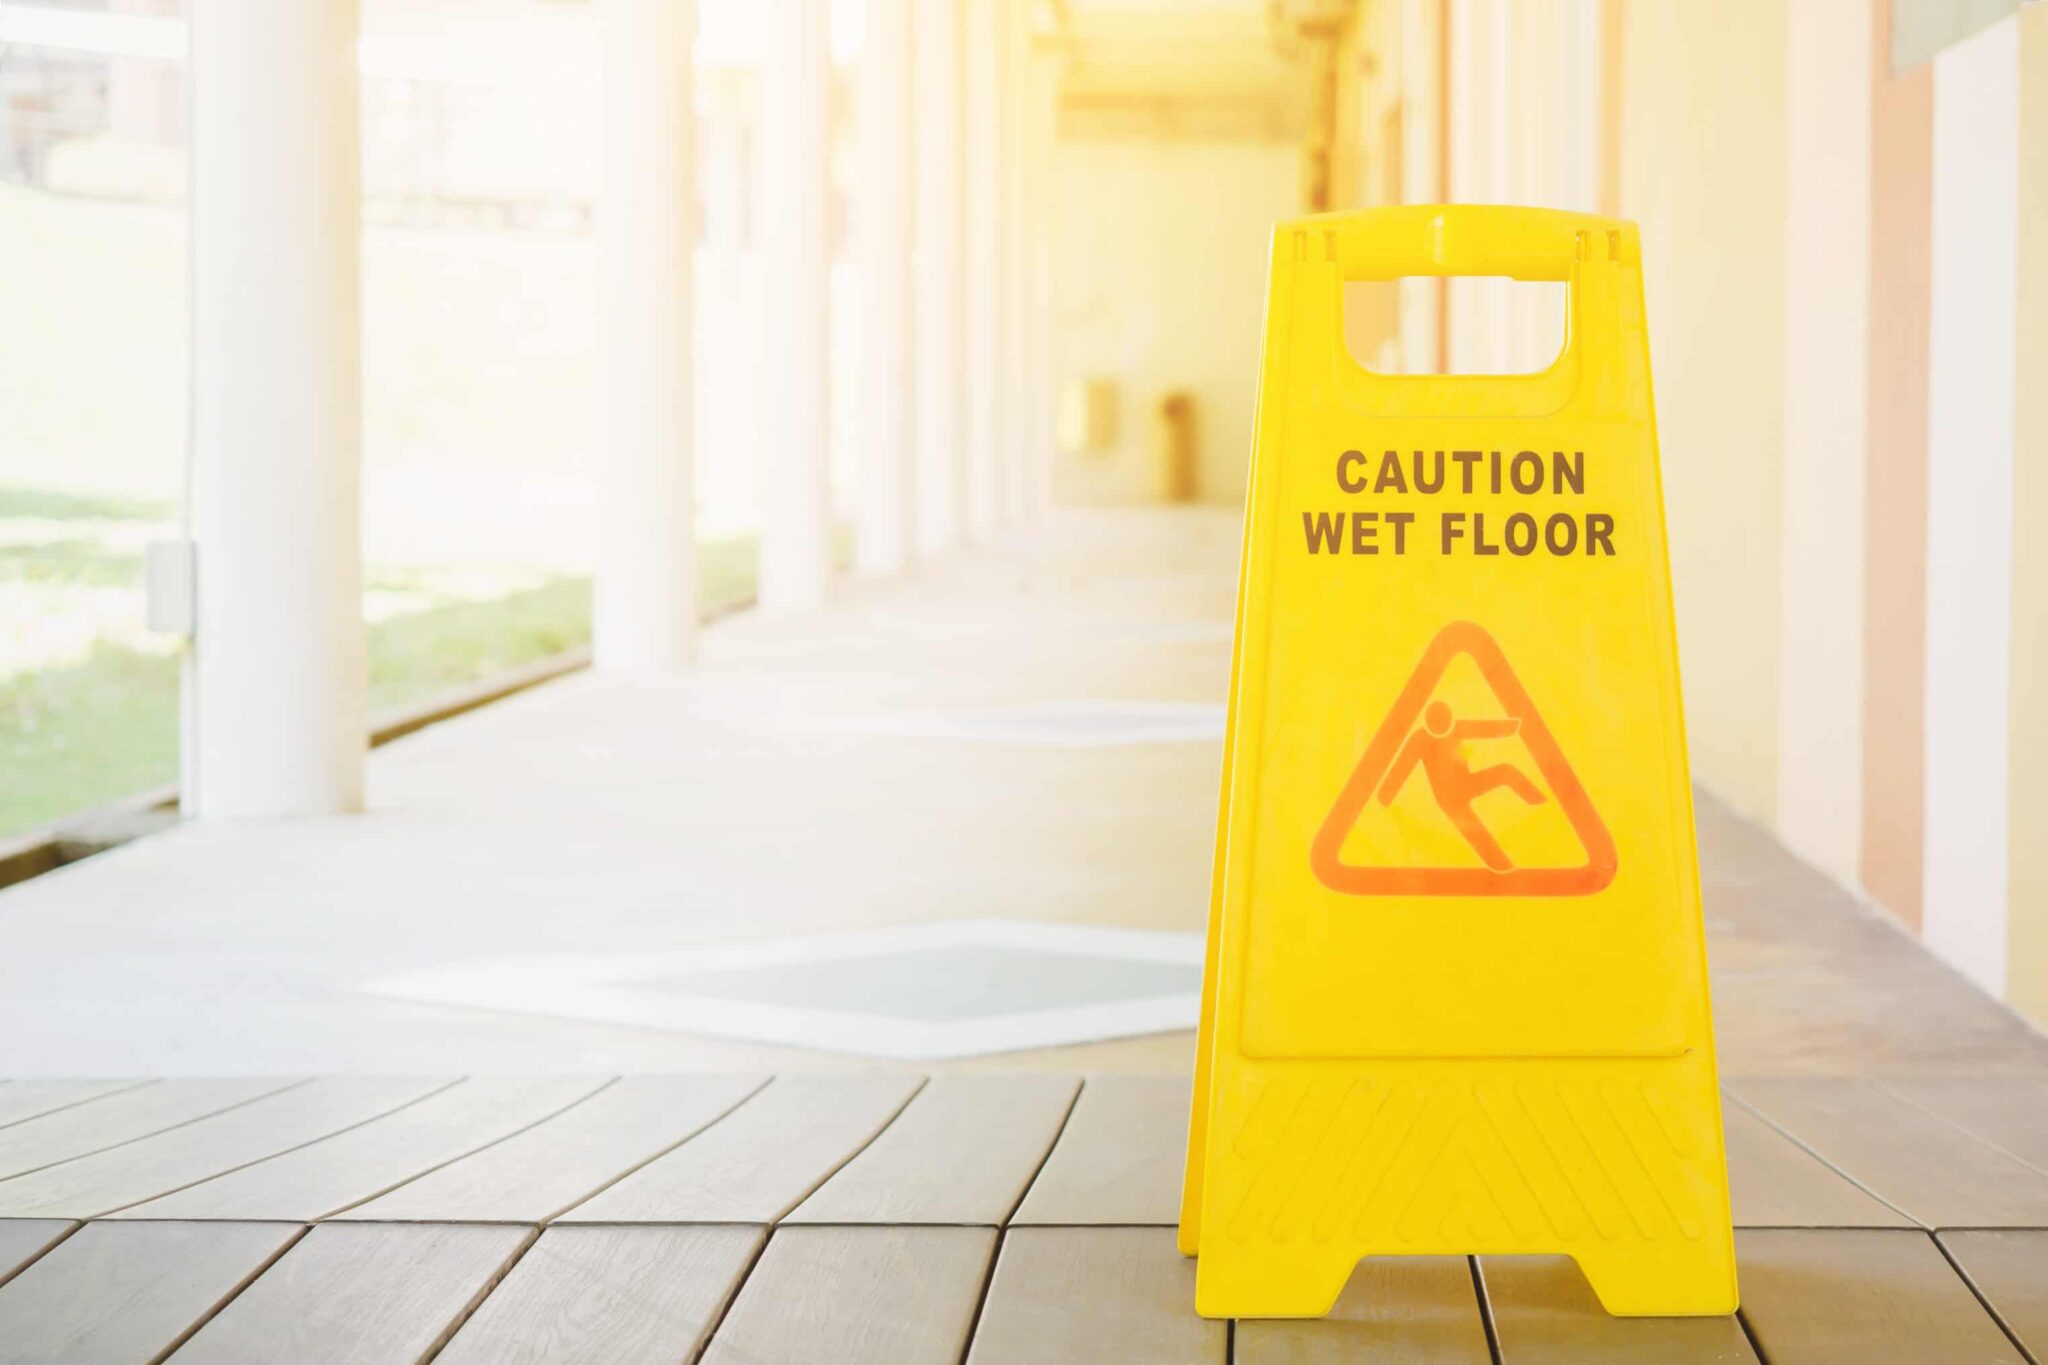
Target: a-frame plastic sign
[(1456, 999)]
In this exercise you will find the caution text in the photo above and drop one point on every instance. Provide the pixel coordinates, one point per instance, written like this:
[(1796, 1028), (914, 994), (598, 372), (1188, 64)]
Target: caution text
[(1401, 477)]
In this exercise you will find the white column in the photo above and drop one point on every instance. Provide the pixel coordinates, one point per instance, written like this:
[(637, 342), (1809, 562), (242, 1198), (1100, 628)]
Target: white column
[(1573, 89), (986, 74), (886, 538), (1483, 109), (1827, 382), (1018, 239), (722, 183), (1042, 75), (1420, 76), (1971, 391), (644, 602), (726, 303), (275, 705), (796, 490), (940, 358)]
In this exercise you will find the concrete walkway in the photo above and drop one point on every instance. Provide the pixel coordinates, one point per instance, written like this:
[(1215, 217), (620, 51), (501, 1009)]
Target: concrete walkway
[(1026, 735)]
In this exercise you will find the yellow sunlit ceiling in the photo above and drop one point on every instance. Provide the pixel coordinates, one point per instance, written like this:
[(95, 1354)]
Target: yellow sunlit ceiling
[(1195, 67)]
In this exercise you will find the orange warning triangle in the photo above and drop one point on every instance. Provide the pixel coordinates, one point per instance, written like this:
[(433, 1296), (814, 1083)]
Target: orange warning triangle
[(1400, 740)]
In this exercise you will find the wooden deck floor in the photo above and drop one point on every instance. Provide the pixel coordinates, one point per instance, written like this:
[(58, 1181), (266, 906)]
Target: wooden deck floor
[(894, 1219)]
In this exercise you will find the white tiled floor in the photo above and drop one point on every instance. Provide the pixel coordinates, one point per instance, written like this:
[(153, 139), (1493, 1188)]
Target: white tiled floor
[(918, 991), (749, 800), (1052, 725)]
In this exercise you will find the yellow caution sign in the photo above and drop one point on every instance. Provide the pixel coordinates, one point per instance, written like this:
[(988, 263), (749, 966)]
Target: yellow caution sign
[(1456, 998)]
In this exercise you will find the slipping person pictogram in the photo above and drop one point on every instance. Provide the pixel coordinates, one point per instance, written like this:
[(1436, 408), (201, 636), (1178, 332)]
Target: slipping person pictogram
[(1422, 731), (1436, 746)]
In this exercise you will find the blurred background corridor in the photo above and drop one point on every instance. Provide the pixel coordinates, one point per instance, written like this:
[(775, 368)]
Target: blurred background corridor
[(954, 283)]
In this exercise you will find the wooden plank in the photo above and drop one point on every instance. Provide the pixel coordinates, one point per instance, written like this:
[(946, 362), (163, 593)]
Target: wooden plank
[(123, 1117), (759, 1161), (1544, 1313), (22, 1100), (1869, 1296), (1421, 1310), (2009, 1112), (1776, 1183), (1122, 1294), (880, 1295), (963, 1151), (532, 1176), (351, 1292), (609, 1296), (24, 1239), (334, 1173), (129, 1291), (1118, 1160), (171, 1160), (1928, 1169), (2010, 1272)]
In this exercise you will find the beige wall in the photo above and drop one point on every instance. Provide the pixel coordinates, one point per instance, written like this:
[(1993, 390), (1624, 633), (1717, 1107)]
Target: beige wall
[(1703, 172), (2027, 895), (1158, 268)]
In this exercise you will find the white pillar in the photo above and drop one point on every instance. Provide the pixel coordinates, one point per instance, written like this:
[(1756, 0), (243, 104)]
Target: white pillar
[(275, 704), (1022, 174), (1420, 75), (941, 439), (1483, 112), (1972, 388), (1826, 441), (1042, 75), (722, 183), (886, 537), (644, 603), (727, 301), (795, 490), (985, 223)]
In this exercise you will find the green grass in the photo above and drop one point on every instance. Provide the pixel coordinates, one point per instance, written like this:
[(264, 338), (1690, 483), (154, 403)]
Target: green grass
[(52, 505), (86, 734), (106, 726), (414, 658)]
